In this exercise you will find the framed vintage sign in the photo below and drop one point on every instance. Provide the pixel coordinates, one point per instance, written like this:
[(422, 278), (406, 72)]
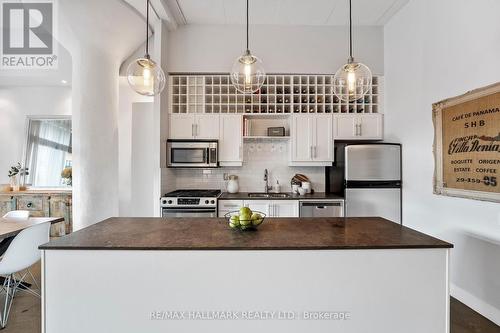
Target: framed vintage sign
[(467, 145)]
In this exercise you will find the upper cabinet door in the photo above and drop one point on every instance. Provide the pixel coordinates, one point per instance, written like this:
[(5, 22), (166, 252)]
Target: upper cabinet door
[(182, 126), (358, 126), (207, 126), (231, 140), (345, 127), (323, 138), (301, 135), (371, 127)]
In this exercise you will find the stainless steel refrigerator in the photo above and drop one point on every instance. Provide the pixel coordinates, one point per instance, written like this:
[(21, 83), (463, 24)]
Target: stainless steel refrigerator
[(373, 180)]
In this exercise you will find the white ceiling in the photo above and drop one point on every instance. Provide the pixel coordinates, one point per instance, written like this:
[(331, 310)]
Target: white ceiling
[(285, 12)]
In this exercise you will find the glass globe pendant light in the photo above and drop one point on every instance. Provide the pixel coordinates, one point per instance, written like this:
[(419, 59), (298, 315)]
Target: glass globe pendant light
[(144, 75), (247, 74), (354, 79)]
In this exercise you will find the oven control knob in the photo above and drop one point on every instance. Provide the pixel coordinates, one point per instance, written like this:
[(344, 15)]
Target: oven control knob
[(164, 202), (169, 202), (206, 202), (212, 202)]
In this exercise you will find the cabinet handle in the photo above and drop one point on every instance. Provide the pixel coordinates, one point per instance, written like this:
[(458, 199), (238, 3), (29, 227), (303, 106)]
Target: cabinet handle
[(29, 205), (197, 131), (311, 152), (360, 133), (315, 153), (192, 130)]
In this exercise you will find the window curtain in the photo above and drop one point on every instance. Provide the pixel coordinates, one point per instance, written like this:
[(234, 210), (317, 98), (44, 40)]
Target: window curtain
[(49, 151)]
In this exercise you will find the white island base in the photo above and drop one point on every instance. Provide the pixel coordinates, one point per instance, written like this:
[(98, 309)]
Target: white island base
[(246, 291)]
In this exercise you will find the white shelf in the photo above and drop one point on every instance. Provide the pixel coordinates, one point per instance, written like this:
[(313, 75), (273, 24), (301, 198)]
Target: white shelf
[(281, 94)]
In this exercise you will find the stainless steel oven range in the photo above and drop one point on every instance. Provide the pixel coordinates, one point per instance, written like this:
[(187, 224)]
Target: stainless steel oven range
[(190, 203)]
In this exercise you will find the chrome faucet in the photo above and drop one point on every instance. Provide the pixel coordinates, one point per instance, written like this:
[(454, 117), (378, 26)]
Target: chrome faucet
[(266, 179)]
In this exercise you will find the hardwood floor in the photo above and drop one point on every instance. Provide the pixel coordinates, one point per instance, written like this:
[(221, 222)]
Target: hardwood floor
[(466, 320), (25, 316)]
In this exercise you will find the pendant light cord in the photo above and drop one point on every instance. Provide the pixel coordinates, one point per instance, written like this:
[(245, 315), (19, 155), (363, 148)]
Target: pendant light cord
[(147, 28), (247, 27), (350, 29)]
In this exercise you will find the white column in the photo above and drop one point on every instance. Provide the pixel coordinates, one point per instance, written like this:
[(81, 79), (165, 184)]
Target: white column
[(95, 133), (99, 35)]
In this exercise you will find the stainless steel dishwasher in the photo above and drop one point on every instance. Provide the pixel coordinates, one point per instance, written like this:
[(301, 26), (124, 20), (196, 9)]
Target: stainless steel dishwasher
[(325, 208)]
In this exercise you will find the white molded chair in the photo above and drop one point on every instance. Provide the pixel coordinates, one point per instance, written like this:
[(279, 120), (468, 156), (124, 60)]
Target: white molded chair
[(22, 253), (18, 214)]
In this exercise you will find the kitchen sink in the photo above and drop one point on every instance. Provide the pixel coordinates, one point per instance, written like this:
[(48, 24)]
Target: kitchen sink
[(268, 195)]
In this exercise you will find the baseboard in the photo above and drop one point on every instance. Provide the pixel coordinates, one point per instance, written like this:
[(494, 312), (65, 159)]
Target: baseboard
[(476, 304)]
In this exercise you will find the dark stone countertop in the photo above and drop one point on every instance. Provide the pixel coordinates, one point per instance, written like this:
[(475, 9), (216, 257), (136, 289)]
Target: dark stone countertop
[(273, 234), (310, 196)]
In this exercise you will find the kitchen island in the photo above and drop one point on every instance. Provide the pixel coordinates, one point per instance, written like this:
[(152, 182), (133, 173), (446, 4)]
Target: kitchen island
[(292, 275)]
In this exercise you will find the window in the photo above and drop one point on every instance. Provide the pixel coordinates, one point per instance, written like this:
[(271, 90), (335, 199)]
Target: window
[(48, 151)]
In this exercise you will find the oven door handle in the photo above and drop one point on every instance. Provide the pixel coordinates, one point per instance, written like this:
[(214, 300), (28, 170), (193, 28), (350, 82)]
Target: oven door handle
[(189, 210)]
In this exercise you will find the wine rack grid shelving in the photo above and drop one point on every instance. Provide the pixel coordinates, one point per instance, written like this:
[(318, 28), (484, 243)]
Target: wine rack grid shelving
[(280, 94)]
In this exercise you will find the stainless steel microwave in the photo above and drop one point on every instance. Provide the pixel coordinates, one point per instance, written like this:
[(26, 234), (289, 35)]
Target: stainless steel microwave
[(192, 154)]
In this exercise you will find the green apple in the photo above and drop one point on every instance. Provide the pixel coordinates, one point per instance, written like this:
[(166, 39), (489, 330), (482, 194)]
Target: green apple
[(245, 211), (257, 219), (232, 225), (235, 219)]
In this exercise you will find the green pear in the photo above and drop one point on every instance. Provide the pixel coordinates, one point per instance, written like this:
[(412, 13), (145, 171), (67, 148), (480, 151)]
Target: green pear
[(257, 219), (235, 219), (245, 211)]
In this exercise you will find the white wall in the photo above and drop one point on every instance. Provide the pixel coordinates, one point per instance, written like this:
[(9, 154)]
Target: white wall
[(283, 49), (127, 97), (15, 104), (434, 50)]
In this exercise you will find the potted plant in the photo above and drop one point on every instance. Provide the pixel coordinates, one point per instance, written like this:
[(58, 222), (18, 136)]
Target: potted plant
[(67, 176), (14, 172)]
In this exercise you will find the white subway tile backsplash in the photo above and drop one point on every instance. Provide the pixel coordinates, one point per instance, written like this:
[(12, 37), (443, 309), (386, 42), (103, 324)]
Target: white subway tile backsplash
[(258, 156)]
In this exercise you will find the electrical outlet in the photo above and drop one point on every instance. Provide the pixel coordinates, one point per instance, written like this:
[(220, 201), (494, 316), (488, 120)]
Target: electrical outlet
[(207, 172)]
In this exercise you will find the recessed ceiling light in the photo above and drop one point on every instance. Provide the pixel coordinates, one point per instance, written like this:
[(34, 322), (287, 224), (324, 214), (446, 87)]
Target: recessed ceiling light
[(64, 81)]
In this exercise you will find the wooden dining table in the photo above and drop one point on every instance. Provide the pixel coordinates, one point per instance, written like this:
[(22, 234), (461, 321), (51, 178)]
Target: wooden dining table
[(12, 226)]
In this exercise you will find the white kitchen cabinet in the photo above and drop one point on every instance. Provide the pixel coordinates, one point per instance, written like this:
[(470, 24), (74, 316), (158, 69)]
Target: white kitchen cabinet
[(181, 126), (226, 206), (263, 206), (312, 140), (358, 126), (285, 208), (231, 140), (207, 126), (194, 126), (275, 208)]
